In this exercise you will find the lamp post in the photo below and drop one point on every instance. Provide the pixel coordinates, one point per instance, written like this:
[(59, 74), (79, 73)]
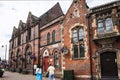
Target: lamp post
[(5, 50)]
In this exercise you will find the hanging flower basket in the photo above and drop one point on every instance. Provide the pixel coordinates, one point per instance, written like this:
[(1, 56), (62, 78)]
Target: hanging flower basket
[(32, 56), (21, 58), (29, 53)]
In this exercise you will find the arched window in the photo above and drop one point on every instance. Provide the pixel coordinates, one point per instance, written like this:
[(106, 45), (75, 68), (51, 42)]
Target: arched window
[(53, 36), (48, 38), (100, 26), (56, 60), (78, 42), (109, 24)]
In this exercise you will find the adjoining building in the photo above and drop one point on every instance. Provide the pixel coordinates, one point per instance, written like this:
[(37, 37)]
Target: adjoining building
[(84, 41), (104, 36)]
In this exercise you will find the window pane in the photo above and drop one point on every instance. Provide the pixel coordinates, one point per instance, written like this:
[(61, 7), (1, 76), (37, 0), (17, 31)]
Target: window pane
[(109, 24), (75, 39), (48, 38), (75, 51), (81, 34), (101, 30), (53, 36), (56, 60), (74, 36), (82, 52), (100, 26)]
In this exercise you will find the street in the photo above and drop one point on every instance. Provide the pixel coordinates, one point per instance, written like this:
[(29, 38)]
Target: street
[(18, 76)]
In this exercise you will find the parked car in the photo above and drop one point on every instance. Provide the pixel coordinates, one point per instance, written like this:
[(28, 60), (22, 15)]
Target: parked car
[(1, 72)]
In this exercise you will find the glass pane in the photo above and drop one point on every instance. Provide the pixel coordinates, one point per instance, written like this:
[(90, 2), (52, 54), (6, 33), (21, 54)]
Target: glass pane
[(101, 30), (75, 39), (75, 36), (53, 36), (74, 31), (109, 24), (48, 38), (100, 26), (81, 34), (56, 61), (75, 51), (82, 52)]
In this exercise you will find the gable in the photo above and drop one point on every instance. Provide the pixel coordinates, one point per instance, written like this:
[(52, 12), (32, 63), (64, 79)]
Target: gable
[(78, 9)]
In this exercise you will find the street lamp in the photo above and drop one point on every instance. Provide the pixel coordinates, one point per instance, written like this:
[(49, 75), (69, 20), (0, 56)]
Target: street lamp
[(5, 50)]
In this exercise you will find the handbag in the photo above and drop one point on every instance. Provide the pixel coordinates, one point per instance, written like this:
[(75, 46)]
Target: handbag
[(47, 74)]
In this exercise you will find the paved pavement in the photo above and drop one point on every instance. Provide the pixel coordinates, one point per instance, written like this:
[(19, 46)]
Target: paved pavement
[(19, 76)]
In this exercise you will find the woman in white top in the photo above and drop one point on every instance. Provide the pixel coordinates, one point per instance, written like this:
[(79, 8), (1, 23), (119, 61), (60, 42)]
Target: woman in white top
[(51, 70), (38, 73)]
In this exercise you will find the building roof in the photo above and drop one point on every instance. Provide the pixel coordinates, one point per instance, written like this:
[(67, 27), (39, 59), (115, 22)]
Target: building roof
[(50, 15), (105, 6)]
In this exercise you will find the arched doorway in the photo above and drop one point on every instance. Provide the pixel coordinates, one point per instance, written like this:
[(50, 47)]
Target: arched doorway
[(28, 61), (45, 60), (108, 61)]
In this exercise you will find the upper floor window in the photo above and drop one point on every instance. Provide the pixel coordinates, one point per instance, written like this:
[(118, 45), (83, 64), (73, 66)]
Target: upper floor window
[(105, 25), (77, 34), (78, 42), (48, 38), (109, 24), (53, 36), (100, 26)]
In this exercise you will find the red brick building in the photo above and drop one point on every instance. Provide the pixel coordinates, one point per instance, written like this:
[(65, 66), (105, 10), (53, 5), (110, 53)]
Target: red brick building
[(75, 39), (37, 42), (50, 38), (24, 44)]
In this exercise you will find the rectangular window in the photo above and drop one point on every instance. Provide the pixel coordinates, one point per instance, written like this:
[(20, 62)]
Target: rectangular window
[(109, 25), (100, 26)]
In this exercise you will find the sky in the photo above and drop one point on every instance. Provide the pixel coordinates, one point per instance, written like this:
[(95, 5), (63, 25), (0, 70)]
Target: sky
[(11, 12)]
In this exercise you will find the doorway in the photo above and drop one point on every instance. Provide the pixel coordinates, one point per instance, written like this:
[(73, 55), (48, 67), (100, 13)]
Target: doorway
[(108, 65), (46, 63)]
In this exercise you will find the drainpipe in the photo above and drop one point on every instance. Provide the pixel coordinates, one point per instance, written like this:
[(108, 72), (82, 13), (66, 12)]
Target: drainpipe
[(90, 52)]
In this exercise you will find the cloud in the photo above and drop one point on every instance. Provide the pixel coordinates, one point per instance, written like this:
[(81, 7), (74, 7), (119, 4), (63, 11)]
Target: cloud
[(11, 12), (93, 3)]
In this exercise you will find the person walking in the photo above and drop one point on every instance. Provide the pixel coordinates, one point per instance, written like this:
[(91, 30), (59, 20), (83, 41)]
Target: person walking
[(38, 73), (51, 70)]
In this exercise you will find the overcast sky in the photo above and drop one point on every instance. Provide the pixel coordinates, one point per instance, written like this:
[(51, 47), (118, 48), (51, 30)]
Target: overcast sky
[(11, 12)]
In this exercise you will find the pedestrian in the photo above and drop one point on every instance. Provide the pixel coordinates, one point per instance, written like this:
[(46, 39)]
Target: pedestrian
[(51, 70), (38, 73)]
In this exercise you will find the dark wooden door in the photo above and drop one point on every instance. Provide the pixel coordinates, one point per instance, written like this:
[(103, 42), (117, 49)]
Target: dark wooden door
[(108, 65)]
